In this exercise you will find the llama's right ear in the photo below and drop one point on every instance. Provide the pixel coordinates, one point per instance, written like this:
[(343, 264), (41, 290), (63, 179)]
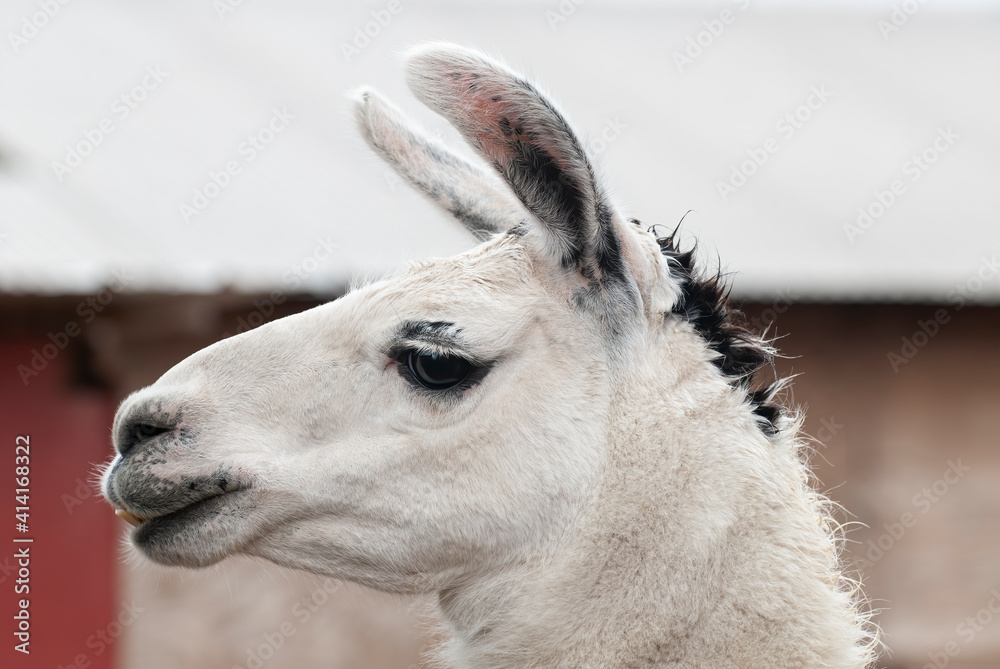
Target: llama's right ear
[(531, 146), (475, 197)]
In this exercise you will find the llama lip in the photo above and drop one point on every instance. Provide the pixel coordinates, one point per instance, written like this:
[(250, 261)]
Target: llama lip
[(197, 510), (172, 498), (136, 520)]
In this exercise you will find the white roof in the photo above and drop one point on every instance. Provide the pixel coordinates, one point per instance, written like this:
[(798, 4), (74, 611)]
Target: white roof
[(668, 133)]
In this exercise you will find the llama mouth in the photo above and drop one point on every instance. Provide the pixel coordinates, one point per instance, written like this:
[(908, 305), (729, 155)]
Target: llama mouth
[(130, 518), (187, 510), (198, 534)]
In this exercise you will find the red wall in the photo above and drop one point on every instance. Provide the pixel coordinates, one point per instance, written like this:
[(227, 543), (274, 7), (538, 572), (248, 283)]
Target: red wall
[(73, 607)]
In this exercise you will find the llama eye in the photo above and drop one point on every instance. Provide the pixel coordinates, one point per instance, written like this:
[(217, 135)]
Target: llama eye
[(437, 372), (144, 431)]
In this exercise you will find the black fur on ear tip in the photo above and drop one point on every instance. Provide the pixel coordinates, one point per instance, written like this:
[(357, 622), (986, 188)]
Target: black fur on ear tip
[(363, 101), (361, 96)]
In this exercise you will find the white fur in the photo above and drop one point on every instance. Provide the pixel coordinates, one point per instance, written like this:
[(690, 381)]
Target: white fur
[(589, 503)]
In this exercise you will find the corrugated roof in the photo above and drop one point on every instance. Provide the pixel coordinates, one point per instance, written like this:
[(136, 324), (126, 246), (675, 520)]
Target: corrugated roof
[(806, 115)]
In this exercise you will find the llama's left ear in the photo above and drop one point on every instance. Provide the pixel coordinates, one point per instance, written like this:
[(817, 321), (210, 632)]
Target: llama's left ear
[(472, 195), (533, 148)]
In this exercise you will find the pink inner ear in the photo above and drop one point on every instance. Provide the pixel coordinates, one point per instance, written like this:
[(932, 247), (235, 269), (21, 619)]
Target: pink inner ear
[(485, 109), (495, 112)]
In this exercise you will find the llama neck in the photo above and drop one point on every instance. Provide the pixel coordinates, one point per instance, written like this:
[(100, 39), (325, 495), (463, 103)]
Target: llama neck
[(701, 547)]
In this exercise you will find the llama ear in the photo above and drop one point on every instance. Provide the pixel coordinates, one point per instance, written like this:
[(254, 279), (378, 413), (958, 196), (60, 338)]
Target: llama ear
[(530, 144), (473, 196)]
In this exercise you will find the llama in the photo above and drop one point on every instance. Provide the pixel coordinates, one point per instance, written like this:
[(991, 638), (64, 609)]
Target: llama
[(556, 434)]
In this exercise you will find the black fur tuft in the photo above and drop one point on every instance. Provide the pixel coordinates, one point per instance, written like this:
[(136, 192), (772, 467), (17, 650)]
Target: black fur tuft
[(704, 302)]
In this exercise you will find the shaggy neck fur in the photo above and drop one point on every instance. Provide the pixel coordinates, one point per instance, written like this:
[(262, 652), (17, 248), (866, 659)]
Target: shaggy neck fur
[(703, 544)]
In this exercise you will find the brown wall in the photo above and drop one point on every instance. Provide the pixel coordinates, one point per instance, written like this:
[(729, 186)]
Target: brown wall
[(913, 454)]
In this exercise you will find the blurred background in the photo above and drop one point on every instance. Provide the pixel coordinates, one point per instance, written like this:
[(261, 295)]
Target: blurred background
[(171, 174)]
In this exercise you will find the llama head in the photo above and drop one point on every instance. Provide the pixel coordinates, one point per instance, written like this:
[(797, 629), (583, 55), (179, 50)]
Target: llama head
[(444, 422)]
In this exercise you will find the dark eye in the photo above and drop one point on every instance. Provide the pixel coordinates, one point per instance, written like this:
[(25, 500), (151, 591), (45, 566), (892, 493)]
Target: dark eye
[(144, 431), (438, 372)]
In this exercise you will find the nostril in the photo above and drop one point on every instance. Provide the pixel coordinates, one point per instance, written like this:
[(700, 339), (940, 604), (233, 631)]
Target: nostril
[(136, 433)]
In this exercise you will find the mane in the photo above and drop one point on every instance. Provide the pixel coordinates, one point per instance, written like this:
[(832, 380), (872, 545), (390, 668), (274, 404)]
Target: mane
[(740, 353)]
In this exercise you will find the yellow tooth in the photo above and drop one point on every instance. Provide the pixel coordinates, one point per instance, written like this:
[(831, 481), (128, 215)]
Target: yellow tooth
[(131, 519)]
